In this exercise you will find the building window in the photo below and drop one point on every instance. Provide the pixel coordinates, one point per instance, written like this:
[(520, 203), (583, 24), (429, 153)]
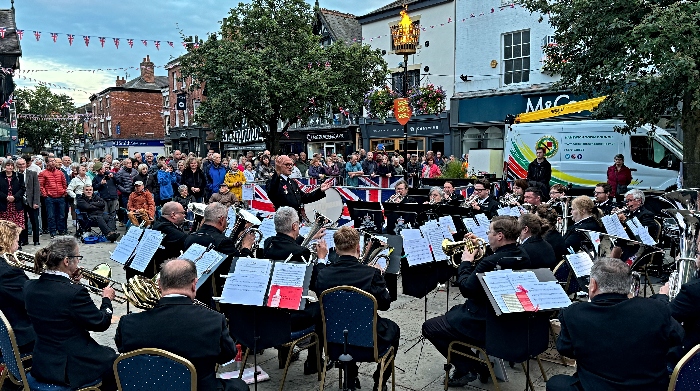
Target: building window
[(516, 57), (397, 80), (174, 81), (107, 100), (109, 127)]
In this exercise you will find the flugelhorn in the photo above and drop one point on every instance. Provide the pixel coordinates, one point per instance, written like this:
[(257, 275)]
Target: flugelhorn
[(451, 248), (468, 202)]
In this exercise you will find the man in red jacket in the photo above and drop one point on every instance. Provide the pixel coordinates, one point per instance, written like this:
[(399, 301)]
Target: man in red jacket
[(53, 186)]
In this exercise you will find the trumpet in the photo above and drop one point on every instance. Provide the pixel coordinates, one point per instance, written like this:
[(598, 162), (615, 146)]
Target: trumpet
[(624, 210), (396, 198), (468, 202), (451, 248)]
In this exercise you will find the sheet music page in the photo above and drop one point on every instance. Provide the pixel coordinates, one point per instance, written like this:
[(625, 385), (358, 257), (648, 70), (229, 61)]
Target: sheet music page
[(231, 220), (268, 229), (416, 247), (432, 232), (304, 230), (613, 226), (249, 282), (287, 286), (499, 285), (581, 263), (641, 231), (447, 222), (248, 192), (595, 238), (206, 263), (513, 303), (547, 295), (478, 225), (509, 211), (147, 247), (127, 245), (329, 238), (518, 278), (194, 252)]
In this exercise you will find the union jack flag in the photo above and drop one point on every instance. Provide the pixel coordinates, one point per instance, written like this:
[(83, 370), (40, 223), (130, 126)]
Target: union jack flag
[(116, 42), (145, 42), (102, 41), (170, 43), (87, 40), (157, 44), (377, 181), (54, 36), (71, 37), (37, 34), (2, 32), (20, 34), (130, 42)]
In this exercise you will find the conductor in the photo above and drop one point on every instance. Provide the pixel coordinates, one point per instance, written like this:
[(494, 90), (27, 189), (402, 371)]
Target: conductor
[(284, 191)]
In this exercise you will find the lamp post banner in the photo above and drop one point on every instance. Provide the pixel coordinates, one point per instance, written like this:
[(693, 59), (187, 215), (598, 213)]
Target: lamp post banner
[(402, 110)]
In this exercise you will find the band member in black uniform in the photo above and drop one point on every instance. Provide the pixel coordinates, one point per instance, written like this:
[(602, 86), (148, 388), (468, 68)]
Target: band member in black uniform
[(284, 191), (602, 198), (12, 280), (452, 198), (604, 333), (634, 199), (172, 216), (212, 233), (436, 196), (485, 203), (63, 314), (177, 325), (551, 235), (585, 216), (467, 322), (540, 252), (401, 196), (279, 248), (532, 196), (347, 270)]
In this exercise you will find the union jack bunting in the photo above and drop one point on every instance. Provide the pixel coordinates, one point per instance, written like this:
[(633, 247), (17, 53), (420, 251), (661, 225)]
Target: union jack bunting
[(54, 36), (145, 42), (37, 35), (171, 44), (87, 40), (157, 44), (20, 34), (130, 42), (71, 37), (116, 42), (102, 41)]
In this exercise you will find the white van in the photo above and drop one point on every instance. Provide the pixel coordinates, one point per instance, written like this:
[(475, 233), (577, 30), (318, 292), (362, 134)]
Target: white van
[(581, 152)]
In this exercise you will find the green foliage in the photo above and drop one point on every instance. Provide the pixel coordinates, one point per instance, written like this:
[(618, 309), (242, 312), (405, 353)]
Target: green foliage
[(379, 102), (256, 70), (40, 133), (642, 54), (453, 170)]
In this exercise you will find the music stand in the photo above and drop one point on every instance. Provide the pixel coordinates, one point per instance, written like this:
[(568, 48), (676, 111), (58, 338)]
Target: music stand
[(366, 215), (408, 213)]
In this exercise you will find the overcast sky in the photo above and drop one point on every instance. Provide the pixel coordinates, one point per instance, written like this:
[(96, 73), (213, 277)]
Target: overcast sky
[(135, 19)]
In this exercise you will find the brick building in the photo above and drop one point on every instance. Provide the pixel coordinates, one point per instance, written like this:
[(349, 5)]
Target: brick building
[(127, 117)]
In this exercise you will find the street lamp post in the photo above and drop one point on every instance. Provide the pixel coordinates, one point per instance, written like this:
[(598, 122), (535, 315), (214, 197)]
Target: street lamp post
[(405, 36)]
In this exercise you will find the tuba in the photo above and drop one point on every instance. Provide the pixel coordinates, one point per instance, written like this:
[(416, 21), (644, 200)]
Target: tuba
[(689, 225), (451, 248), (684, 199), (320, 221), (246, 223)]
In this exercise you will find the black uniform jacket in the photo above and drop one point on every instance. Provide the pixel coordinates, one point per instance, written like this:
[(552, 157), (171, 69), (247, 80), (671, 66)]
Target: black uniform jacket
[(286, 192), (647, 219), (607, 207), (177, 325), (574, 238), (63, 314), (470, 318), (12, 282), (619, 343), (489, 207), (172, 244), (685, 308), (540, 252)]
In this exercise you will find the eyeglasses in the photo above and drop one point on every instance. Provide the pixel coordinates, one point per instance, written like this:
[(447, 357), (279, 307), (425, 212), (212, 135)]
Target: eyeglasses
[(78, 257), (554, 192), (479, 189), (598, 192)]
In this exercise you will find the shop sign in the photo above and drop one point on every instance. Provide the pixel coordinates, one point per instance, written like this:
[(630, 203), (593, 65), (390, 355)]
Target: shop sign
[(333, 136), (242, 135), (139, 143), (427, 128), (402, 111)]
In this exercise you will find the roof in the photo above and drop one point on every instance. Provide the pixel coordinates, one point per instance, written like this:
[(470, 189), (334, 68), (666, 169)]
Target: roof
[(9, 44), (343, 27), (392, 5), (140, 84), (391, 10)]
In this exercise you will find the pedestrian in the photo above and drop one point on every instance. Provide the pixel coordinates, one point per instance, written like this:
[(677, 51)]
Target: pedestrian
[(52, 183), (540, 170), (619, 177)]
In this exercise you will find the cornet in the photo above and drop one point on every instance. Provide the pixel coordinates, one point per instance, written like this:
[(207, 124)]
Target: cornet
[(395, 198), (451, 248), (468, 202)]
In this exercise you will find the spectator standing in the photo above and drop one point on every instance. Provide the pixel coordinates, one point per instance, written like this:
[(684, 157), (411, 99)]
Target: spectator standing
[(138, 158), (164, 178), (52, 183), (396, 167), (439, 161), (331, 169), (619, 176), (177, 158), (194, 178), (369, 166), (235, 179), (430, 170), (249, 172), (37, 164), (143, 176), (106, 186), (76, 185), (383, 168), (32, 200), (353, 170), (12, 190), (125, 183), (540, 170), (265, 170), (315, 169), (215, 175), (302, 164), (413, 168)]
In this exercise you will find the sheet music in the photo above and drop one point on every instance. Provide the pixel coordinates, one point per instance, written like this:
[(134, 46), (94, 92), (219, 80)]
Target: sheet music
[(194, 252), (287, 286), (499, 284), (509, 211), (512, 303), (267, 228), (547, 295), (304, 230), (329, 238), (478, 225), (231, 220), (248, 284), (447, 222), (581, 263), (416, 247), (431, 231), (640, 231), (613, 226), (518, 278), (208, 262), (248, 192), (595, 238), (289, 274), (127, 245), (147, 247)]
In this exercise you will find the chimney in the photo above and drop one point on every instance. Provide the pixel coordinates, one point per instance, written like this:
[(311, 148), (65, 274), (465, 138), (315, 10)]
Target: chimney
[(147, 70), (120, 81)]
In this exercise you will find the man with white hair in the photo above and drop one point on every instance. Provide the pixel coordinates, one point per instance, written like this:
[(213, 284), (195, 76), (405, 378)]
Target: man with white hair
[(284, 191), (634, 199)]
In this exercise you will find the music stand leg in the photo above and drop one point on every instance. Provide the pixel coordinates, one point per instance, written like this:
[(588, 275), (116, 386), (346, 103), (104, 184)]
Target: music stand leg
[(255, 348)]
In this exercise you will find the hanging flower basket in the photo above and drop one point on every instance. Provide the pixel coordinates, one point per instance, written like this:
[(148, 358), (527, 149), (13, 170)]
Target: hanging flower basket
[(428, 99), (380, 102)]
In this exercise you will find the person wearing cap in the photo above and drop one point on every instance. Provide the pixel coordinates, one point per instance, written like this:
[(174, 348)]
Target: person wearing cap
[(224, 196), (141, 206)]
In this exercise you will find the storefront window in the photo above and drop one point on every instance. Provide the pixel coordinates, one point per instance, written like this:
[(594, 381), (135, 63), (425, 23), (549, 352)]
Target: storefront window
[(415, 144), (123, 152)]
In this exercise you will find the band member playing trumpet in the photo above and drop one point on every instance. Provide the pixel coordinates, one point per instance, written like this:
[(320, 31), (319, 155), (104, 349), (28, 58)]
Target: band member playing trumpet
[(540, 252), (401, 196), (141, 206), (603, 333), (452, 198), (12, 280), (347, 270), (602, 198), (279, 248), (634, 199), (485, 203), (436, 196), (180, 327), (63, 314), (467, 322)]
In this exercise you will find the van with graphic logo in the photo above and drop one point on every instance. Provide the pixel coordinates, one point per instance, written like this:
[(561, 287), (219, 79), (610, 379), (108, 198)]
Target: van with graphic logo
[(580, 152)]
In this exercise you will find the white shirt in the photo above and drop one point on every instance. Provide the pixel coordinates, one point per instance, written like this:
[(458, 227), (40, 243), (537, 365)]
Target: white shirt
[(249, 175), (58, 273)]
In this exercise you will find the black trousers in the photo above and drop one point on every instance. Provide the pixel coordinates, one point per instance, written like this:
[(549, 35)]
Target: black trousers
[(440, 333), (232, 385), (564, 383), (30, 216), (44, 216), (104, 221)]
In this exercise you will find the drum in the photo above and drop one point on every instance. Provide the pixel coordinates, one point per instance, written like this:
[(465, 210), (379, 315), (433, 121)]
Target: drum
[(330, 206)]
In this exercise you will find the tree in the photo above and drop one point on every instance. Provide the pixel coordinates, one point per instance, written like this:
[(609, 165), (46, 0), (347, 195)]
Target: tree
[(41, 129), (266, 68), (642, 54)]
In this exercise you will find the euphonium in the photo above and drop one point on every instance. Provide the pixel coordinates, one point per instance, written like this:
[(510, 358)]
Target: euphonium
[(396, 198), (370, 254), (451, 248), (246, 223), (144, 293), (320, 221), (689, 225)]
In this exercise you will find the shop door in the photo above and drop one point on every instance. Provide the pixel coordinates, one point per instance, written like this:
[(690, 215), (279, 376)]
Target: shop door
[(438, 146)]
